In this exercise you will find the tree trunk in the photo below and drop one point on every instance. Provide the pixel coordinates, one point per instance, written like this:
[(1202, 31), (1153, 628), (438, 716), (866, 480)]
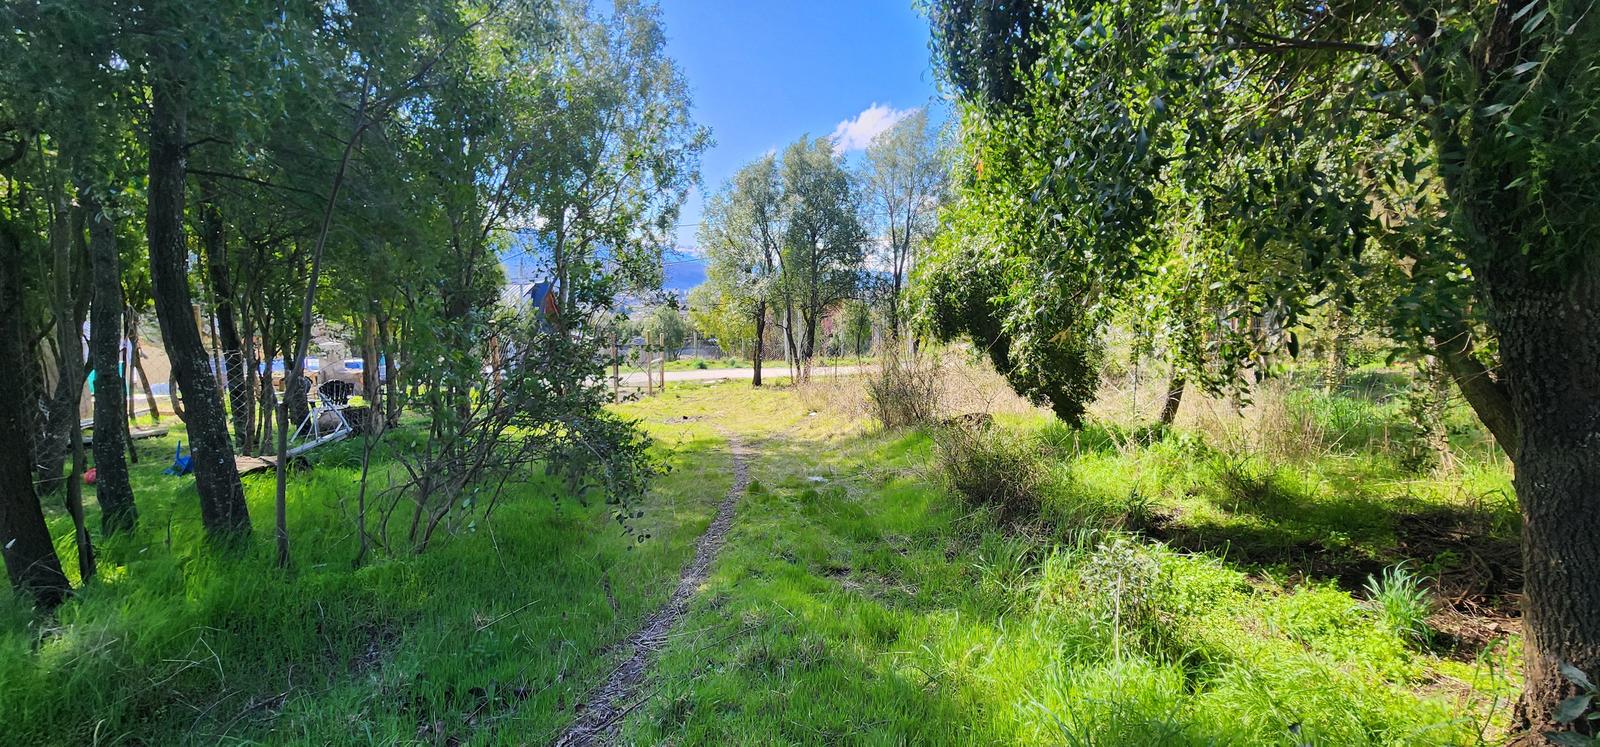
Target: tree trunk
[(296, 394), (1338, 359), (112, 489), (390, 374), (1174, 398), (136, 360), (175, 397), (25, 543), (240, 395), (127, 402), (370, 384), (222, 506), (61, 408), (894, 303), (252, 383), (268, 401), (80, 528), (1486, 394), (761, 339), (1550, 358)]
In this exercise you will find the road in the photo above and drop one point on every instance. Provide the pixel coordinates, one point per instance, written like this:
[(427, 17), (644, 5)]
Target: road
[(636, 379)]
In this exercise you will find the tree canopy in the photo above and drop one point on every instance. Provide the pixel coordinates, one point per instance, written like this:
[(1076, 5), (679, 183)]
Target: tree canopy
[(1238, 164)]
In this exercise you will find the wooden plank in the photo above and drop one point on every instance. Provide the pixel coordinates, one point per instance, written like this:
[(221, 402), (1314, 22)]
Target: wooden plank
[(160, 430), (249, 464)]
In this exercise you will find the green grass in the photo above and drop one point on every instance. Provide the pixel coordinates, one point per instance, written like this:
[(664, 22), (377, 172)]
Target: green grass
[(691, 364), (1159, 588), (857, 601), (489, 636)]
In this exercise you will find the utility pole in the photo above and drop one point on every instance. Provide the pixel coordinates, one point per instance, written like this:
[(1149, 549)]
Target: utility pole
[(616, 370)]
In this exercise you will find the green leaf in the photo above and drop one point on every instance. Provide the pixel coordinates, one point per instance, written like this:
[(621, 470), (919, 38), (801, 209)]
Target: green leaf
[(1576, 677), (1568, 711), (1569, 739)]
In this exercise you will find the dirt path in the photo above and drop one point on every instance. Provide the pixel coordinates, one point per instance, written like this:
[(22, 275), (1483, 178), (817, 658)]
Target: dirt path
[(602, 709)]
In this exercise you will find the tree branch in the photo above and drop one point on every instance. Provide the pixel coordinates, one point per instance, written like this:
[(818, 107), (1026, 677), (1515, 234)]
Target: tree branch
[(1486, 394)]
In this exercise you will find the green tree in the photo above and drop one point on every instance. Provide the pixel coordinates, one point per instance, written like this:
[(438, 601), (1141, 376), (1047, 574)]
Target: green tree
[(904, 182), (824, 243), (667, 328), (717, 317), (743, 234), (1449, 147)]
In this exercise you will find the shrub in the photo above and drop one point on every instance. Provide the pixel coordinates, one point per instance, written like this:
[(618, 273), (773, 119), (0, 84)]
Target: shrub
[(1402, 602), (991, 468), (1123, 580), (904, 392), (1244, 482)]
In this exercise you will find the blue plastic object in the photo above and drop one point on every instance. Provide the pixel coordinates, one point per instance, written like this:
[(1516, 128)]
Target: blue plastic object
[(181, 465)]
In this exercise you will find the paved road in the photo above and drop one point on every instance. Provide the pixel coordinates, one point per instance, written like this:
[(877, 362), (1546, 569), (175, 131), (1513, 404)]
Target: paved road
[(717, 374)]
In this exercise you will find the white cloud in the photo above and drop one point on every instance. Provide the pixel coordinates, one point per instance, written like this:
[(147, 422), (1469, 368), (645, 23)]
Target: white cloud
[(857, 134)]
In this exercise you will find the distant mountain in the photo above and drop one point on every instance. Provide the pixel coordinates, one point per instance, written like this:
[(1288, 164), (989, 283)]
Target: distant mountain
[(682, 271)]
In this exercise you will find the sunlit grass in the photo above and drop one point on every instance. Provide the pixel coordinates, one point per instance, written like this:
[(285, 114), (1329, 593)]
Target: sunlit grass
[(491, 635), (856, 601)]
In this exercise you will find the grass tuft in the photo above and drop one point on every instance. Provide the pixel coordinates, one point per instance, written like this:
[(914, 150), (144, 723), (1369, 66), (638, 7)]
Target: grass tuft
[(1402, 601)]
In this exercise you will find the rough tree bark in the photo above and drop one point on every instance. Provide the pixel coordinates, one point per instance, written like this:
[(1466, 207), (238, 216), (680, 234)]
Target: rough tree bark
[(240, 396), (1550, 356), (112, 489), (761, 336), (1540, 277), (222, 506), (30, 556), (1173, 399)]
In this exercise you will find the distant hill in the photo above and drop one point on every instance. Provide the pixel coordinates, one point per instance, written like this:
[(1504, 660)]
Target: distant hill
[(682, 271)]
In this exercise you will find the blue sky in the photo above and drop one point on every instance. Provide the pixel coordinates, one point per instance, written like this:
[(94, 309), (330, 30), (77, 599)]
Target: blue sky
[(764, 72)]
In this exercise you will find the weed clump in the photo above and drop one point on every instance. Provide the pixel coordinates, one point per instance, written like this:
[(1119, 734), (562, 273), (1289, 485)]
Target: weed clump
[(1402, 602), (904, 393), (989, 469), (1124, 582)]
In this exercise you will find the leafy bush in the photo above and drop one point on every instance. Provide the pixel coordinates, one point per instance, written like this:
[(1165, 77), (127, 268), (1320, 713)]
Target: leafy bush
[(904, 392), (1402, 602), (1124, 582), (990, 468)]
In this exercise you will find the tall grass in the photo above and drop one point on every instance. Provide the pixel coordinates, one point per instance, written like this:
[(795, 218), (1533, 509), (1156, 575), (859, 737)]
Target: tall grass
[(484, 638), (905, 390), (1402, 602)]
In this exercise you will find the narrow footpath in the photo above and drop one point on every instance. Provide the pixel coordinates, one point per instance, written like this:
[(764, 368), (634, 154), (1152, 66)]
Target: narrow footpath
[(602, 710)]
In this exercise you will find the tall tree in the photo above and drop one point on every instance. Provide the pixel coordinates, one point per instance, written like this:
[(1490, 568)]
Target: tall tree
[(1449, 144), (743, 233), (222, 506), (905, 180), (112, 488), (616, 165), (825, 244), (25, 543)]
